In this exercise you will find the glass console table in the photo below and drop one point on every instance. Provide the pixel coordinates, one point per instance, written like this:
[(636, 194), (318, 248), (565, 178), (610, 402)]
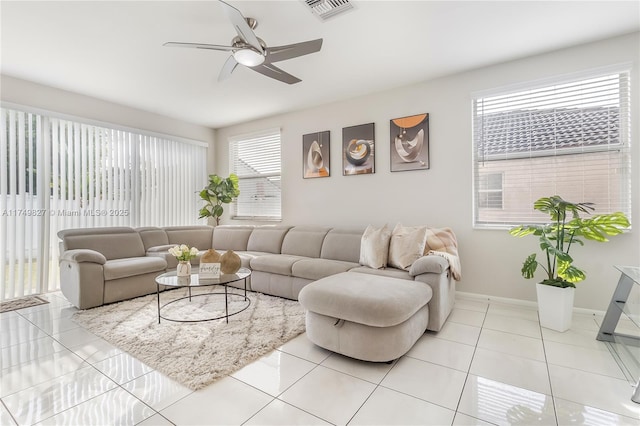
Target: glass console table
[(620, 327)]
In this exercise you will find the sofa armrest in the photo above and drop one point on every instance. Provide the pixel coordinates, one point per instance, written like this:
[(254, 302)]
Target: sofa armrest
[(82, 277), (160, 249), (163, 252), (83, 255), (434, 271), (429, 264)]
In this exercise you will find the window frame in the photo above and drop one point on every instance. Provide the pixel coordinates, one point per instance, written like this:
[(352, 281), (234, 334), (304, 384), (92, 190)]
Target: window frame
[(262, 136), (488, 191), (84, 173), (624, 200)]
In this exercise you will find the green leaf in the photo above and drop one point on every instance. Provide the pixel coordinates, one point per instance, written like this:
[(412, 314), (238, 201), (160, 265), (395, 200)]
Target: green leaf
[(204, 212), (561, 255), (529, 266), (521, 231), (217, 210), (570, 273)]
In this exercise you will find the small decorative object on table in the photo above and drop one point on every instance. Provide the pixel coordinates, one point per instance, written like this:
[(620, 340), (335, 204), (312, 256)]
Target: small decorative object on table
[(184, 254), (210, 265), (230, 262)]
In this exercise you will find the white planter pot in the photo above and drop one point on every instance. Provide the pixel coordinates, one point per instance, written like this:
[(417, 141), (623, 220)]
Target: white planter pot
[(555, 306)]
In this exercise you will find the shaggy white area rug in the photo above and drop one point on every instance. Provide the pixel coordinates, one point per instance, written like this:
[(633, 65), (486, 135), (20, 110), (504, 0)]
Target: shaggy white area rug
[(196, 354)]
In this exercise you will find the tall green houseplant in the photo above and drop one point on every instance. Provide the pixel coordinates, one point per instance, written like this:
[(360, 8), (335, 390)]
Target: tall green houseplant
[(565, 229), (218, 191)]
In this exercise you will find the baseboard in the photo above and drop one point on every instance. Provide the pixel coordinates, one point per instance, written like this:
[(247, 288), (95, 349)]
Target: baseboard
[(463, 295)]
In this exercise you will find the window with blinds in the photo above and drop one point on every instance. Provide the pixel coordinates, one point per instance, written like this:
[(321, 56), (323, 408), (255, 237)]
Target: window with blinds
[(60, 173), (255, 158), (571, 138)]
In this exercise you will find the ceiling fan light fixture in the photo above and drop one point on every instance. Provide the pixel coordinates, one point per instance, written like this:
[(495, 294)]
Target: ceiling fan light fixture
[(248, 57)]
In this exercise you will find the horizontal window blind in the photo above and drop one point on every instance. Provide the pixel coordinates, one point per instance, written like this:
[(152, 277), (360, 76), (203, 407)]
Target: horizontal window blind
[(570, 139), (59, 174), (255, 158)]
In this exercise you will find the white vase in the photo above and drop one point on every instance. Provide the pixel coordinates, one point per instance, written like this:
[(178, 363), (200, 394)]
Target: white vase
[(555, 306), (184, 268)]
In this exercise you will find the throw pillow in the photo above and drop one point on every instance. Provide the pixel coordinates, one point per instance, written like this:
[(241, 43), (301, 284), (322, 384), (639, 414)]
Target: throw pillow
[(407, 245), (374, 247)]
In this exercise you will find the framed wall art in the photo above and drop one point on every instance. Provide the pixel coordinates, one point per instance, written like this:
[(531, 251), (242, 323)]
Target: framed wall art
[(315, 155), (358, 149), (409, 142)]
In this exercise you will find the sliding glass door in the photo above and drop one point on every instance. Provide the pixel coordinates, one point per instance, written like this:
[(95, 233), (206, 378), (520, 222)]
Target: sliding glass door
[(59, 174)]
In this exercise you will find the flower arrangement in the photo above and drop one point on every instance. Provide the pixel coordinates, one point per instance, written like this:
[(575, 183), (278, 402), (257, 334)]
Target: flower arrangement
[(183, 253)]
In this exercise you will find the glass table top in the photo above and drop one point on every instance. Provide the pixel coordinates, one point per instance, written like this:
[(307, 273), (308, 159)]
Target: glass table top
[(171, 279)]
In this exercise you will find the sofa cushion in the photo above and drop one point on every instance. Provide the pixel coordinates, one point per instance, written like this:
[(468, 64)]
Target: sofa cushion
[(231, 237), (386, 272), (314, 269), (342, 244), (406, 245), (304, 241), (153, 237), (122, 268), (119, 245), (275, 263), (267, 239), (365, 299), (246, 256), (193, 236), (374, 247)]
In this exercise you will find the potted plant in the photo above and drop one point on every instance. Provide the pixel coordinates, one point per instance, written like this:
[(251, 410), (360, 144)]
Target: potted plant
[(566, 228), (217, 192)]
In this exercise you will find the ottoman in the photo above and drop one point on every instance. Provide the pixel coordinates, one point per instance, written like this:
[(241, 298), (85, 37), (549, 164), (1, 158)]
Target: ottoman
[(364, 316)]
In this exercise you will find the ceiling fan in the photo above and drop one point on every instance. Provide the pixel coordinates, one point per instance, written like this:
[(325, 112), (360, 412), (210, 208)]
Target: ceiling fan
[(249, 50)]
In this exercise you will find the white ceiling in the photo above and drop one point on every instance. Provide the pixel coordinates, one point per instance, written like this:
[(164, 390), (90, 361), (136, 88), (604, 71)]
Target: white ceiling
[(112, 50)]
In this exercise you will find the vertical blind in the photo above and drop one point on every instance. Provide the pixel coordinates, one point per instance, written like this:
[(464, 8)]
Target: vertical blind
[(59, 174), (570, 138), (255, 158)]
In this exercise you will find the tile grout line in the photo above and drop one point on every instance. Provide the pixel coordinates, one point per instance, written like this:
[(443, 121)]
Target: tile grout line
[(8, 412), (377, 385), (546, 362), (277, 397), (475, 348), (84, 364)]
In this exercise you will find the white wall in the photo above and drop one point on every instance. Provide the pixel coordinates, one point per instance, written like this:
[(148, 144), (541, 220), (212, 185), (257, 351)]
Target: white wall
[(442, 196), (35, 95)]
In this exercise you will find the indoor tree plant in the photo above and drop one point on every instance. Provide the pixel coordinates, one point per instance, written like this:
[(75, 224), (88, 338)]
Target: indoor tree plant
[(566, 228), (217, 192)]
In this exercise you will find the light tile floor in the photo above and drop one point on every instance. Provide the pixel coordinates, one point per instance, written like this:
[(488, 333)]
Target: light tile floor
[(491, 364)]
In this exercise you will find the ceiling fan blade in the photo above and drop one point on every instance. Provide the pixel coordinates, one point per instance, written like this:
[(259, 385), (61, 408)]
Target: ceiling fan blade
[(242, 28), (280, 53), (199, 46), (227, 68), (274, 72)]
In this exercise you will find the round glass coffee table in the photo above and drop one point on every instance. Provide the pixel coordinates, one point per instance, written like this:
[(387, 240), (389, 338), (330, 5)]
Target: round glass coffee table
[(171, 280)]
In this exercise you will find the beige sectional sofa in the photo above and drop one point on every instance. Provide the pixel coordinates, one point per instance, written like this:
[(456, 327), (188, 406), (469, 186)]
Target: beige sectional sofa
[(105, 265)]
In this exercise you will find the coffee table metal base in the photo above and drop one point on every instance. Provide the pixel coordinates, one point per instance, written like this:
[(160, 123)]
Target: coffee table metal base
[(171, 280), (226, 295)]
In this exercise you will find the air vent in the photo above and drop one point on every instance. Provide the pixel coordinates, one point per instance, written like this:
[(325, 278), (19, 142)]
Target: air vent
[(326, 9)]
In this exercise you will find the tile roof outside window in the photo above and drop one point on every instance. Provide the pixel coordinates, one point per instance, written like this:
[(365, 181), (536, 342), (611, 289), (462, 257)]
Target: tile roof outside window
[(522, 131)]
